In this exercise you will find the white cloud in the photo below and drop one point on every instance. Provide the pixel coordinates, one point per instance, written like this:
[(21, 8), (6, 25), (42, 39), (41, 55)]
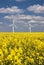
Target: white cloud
[(20, 0), (26, 17), (36, 8), (11, 10)]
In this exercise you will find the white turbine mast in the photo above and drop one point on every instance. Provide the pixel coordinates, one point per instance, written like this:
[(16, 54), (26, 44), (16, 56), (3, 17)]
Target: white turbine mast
[(30, 27), (13, 23)]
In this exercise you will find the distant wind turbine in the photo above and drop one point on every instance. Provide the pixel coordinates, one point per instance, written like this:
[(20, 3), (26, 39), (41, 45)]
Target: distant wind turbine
[(29, 26)]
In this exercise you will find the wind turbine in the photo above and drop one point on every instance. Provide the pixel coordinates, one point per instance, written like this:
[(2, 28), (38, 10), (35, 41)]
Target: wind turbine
[(13, 24), (13, 21), (29, 26), (33, 24)]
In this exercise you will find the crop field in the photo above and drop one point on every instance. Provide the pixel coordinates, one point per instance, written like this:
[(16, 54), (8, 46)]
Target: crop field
[(21, 48)]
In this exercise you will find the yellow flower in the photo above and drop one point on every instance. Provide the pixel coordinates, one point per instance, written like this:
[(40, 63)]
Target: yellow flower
[(20, 50), (1, 55), (16, 50), (12, 52), (19, 61), (40, 57), (16, 57), (31, 60), (9, 57)]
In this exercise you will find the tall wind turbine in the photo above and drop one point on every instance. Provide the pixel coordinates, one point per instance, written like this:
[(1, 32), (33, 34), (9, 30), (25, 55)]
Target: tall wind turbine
[(13, 24)]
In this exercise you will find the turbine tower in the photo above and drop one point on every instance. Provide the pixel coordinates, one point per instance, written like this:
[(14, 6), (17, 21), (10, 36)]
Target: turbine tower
[(30, 27), (13, 25)]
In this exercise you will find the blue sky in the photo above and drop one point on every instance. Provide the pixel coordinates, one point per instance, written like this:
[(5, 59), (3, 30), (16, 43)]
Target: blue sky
[(23, 13)]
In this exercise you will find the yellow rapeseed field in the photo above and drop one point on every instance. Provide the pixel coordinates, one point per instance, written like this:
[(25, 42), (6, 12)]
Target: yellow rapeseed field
[(21, 48)]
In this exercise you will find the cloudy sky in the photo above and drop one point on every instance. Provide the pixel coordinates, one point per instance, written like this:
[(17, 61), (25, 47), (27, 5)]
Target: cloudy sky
[(24, 13)]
